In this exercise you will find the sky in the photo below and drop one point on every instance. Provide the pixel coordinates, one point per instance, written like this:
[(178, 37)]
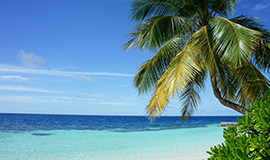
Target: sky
[(66, 57)]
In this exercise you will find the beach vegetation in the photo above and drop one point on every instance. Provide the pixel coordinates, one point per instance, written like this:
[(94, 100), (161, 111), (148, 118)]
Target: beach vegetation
[(195, 41), (250, 139)]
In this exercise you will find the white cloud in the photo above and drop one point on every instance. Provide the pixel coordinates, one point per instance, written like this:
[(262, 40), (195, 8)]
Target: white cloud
[(260, 6), (74, 99), (15, 69), (13, 78), (27, 89), (31, 60), (117, 103), (68, 68), (124, 85), (8, 98), (86, 78)]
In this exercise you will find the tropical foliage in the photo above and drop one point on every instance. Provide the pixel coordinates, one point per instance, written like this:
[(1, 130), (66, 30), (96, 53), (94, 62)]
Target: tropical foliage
[(250, 139), (193, 40)]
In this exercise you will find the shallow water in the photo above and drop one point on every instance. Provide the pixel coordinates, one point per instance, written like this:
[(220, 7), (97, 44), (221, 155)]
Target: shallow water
[(103, 140)]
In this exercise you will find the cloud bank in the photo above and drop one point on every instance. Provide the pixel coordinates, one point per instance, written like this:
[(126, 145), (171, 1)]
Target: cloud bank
[(16, 69), (13, 78), (28, 89), (9, 98)]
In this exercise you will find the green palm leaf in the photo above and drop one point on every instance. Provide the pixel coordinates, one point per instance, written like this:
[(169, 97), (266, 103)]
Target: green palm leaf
[(234, 42), (181, 70), (252, 84), (150, 72), (156, 31)]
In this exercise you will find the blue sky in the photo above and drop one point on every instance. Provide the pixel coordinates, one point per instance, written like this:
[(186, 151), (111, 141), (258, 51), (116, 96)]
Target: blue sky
[(66, 57)]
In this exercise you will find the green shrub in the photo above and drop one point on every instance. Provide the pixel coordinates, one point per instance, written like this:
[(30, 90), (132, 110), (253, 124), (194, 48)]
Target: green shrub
[(250, 139)]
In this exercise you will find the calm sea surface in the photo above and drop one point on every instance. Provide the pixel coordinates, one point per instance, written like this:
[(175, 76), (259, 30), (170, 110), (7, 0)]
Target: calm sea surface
[(34, 136)]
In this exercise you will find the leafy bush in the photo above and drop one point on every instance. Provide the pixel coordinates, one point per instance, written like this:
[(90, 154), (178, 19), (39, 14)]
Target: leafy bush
[(250, 139)]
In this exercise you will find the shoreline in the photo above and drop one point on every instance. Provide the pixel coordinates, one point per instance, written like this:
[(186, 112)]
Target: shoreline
[(200, 156)]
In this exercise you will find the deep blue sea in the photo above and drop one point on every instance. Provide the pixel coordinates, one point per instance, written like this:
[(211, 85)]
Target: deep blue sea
[(69, 137), (32, 122)]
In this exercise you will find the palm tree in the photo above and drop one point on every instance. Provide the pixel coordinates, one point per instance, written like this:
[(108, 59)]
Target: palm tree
[(193, 40)]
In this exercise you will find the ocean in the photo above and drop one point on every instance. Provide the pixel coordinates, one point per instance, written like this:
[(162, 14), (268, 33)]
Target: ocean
[(61, 137)]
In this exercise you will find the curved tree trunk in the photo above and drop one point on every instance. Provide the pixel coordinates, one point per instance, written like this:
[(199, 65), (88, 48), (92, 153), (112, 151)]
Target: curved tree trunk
[(227, 103)]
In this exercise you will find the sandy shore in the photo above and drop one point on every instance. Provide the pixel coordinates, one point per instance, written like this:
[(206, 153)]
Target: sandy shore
[(200, 156)]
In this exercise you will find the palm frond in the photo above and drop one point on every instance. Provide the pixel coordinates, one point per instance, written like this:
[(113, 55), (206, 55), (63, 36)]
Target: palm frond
[(143, 9), (251, 23), (149, 73), (230, 85), (252, 84), (202, 41), (222, 7), (234, 42), (154, 32), (182, 69), (261, 56), (190, 97)]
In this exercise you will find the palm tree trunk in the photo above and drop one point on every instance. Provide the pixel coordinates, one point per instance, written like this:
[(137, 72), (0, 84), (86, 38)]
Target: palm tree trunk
[(227, 103)]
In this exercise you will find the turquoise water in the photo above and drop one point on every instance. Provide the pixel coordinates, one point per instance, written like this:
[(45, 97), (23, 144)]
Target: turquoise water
[(69, 137), (184, 143)]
